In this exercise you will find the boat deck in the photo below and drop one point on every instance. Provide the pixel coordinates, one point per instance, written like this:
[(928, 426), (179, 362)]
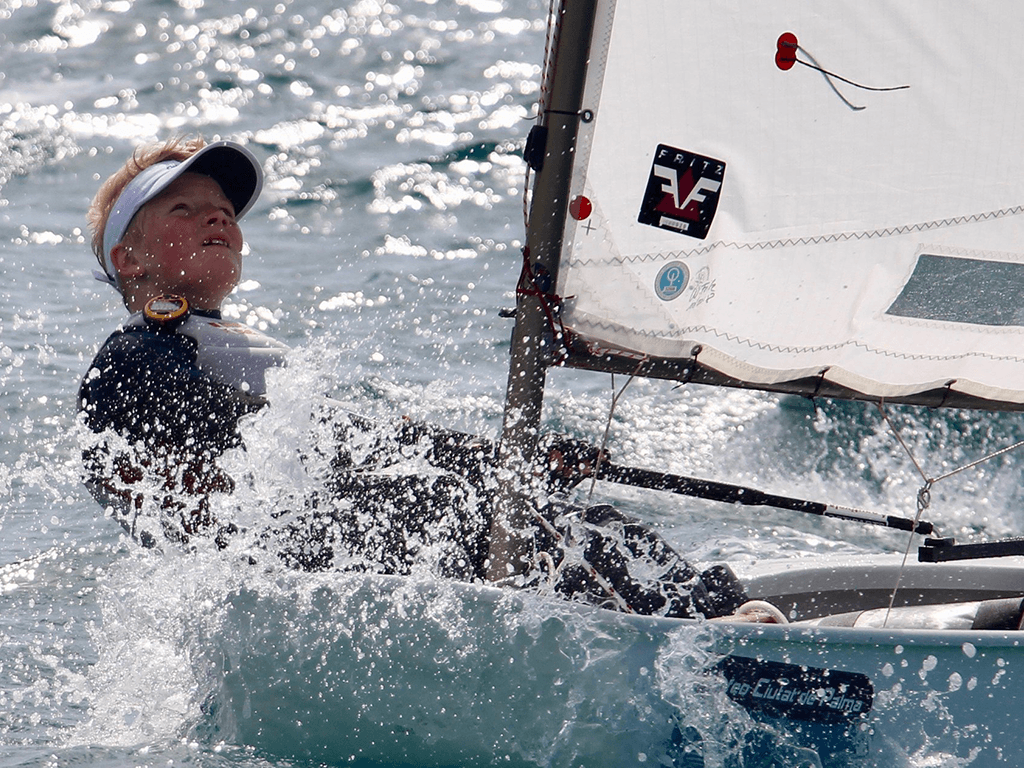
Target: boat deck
[(813, 588)]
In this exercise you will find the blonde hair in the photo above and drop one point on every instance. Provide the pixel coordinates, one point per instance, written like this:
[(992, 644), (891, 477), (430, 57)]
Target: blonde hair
[(179, 148)]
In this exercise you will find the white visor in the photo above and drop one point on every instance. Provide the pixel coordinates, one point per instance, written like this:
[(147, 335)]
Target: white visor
[(231, 165)]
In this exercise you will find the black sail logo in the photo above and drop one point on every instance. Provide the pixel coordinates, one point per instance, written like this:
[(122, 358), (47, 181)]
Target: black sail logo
[(682, 192)]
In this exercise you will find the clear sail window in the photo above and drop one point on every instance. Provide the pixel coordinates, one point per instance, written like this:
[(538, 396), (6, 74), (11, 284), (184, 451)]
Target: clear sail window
[(959, 290)]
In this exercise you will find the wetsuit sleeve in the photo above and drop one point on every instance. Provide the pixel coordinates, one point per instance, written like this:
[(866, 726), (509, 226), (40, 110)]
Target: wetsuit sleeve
[(145, 388)]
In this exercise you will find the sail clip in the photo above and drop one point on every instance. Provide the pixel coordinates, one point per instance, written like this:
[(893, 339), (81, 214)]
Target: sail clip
[(536, 145)]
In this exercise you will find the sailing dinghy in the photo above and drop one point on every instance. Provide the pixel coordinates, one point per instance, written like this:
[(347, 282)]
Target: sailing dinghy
[(811, 199)]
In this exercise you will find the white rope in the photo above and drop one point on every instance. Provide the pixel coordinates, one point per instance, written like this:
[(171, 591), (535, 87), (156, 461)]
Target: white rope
[(754, 607), (602, 582)]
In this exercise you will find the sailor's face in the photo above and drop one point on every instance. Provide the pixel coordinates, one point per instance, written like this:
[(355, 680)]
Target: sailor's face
[(188, 243)]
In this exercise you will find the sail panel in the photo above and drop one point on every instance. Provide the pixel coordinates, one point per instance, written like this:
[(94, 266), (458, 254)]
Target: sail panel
[(795, 229)]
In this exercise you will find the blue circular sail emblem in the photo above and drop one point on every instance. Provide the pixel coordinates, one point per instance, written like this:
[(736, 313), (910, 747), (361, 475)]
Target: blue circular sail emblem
[(671, 280)]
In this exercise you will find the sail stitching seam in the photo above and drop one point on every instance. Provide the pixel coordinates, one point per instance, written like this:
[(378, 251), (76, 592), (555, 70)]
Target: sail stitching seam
[(833, 238), (795, 350)]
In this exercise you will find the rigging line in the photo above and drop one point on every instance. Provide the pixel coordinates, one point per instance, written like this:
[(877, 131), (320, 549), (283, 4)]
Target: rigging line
[(899, 439), (924, 497), (601, 451), (930, 481), (982, 460)]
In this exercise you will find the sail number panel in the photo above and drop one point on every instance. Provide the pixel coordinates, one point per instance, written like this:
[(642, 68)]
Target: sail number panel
[(682, 192), (962, 290)]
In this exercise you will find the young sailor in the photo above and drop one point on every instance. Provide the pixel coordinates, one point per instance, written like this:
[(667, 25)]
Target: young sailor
[(172, 381), (164, 395)]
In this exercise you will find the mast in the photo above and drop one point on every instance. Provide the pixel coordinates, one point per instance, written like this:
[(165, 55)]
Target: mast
[(531, 338)]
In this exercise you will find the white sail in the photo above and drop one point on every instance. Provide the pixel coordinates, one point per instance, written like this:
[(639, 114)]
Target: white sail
[(799, 232)]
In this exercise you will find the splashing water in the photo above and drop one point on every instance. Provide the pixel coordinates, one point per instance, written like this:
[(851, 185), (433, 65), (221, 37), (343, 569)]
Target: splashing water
[(384, 247)]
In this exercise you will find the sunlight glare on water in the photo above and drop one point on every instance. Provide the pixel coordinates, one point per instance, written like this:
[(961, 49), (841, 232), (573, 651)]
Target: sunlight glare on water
[(385, 244)]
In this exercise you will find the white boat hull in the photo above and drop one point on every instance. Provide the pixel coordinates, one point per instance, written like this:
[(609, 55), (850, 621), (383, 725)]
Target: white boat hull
[(381, 670)]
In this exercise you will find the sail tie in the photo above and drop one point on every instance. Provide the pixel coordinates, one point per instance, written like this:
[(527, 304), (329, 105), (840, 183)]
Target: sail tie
[(550, 303)]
